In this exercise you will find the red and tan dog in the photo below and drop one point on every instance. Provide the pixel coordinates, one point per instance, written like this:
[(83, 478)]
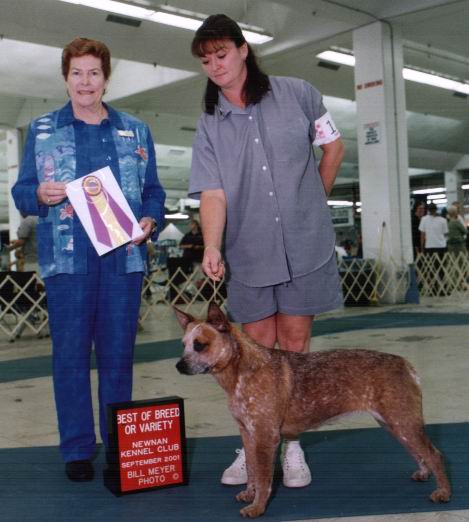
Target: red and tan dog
[(275, 393)]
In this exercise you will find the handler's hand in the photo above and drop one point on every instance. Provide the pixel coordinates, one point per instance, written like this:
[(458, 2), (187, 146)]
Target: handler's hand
[(51, 192), (146, 224), (213, 264)]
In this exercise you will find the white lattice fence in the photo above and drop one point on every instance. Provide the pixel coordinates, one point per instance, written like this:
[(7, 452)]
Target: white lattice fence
[(188, 290), (443, 275), (364, 281), (367, 281), (22, 305)]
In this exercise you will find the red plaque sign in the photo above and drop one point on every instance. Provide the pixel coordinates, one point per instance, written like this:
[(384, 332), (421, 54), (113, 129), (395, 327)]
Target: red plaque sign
[(147, 445)]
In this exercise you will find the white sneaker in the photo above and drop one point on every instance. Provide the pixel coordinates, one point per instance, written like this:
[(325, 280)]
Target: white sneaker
[(237, 473), (296, 473)]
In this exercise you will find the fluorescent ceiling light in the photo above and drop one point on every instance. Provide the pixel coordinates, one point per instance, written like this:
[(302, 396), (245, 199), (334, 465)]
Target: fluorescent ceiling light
[(435, 196), (337, 57), (112, 6), (433, 79), (408, 73), (255, 37), (177, 215), (429, 191), (465, 187), (340, 203), (440, 201), (176, 20), (167, 16)]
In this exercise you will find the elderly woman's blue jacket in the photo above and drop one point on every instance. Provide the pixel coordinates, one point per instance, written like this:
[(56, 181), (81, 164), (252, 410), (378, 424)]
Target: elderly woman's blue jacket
[(53, 153)]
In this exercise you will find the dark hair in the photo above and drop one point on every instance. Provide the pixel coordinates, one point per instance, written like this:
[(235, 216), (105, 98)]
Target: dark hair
[(432, 208), (83, 46), (195, 222), (220, 27)]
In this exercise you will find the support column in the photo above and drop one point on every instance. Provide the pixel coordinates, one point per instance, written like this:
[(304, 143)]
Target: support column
[(453, 187), (382, 145), (13, 159)]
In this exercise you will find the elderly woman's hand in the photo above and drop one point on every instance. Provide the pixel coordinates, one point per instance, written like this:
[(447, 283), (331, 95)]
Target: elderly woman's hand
[(148, 225), (51, 192)]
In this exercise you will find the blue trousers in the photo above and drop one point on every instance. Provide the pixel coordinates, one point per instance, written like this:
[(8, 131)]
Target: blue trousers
[(99, 308)]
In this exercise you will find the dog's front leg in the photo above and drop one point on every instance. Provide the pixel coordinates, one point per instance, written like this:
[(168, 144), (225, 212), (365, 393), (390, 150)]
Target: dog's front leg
[(249, 493), (260, 448)]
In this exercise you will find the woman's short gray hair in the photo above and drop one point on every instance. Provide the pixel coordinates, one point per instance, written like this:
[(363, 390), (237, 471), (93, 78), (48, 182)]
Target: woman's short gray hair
[(452, 211)]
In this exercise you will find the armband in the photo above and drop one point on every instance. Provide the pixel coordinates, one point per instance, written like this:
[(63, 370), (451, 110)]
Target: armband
[(325, 130)]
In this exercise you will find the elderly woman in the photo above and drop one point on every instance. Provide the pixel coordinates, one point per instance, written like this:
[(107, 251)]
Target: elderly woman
[(91, 299), (456, 240)]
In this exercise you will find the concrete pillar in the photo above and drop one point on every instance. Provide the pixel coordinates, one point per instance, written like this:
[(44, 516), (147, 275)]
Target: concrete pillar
[(13, 160), (382, 145), (453, 187)]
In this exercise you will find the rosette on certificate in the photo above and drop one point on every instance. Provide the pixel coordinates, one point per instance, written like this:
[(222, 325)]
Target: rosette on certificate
[(103, 210)]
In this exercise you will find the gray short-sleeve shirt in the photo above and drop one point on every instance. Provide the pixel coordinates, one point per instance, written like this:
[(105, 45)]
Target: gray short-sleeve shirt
[(278, 222)]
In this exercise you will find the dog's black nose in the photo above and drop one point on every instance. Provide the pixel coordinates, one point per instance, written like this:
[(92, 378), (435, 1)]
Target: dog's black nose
[(182, 367)]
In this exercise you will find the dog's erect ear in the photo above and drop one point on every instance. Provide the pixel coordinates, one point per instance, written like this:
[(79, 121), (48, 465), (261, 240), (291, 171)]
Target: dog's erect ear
[(217, 318), (183, 318)]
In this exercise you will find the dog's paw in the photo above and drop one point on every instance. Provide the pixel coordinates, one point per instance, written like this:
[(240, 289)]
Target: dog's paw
[(440, 495), (421, 476), (246, 496), (252, 511)]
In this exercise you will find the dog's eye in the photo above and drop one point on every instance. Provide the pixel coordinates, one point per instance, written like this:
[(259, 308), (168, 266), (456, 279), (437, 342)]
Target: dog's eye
[(198, 346)]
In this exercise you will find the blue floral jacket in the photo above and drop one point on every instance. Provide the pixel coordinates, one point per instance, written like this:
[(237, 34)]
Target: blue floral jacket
[(53, 152)]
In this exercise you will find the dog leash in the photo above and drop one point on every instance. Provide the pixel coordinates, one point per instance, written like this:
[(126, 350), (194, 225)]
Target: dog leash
[(214, 292), (214, 284)]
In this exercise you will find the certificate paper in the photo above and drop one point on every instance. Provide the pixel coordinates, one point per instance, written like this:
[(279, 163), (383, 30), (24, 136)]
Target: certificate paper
[(103, 210)]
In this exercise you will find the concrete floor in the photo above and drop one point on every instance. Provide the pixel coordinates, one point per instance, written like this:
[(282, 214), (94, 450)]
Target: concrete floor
[(439, 353)]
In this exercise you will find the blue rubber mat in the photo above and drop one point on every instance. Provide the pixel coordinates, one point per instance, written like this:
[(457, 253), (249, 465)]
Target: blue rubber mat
[(355, 472), (33, 367)]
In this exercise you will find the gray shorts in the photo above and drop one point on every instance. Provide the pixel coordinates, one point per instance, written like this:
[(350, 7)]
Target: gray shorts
[(310, 294)]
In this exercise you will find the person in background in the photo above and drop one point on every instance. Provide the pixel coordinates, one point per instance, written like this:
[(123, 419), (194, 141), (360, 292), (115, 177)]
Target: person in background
[(151, 256), (192, 244), (359, 251), (348, 246), (26, 244), (457, 205), (18, 261), (91, 300), (255, 172), (456, 240), (417, 215), (433, 234), (4, 253)]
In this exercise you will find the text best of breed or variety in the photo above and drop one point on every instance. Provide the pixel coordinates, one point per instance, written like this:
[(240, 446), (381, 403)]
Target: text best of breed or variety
[(149, 441)]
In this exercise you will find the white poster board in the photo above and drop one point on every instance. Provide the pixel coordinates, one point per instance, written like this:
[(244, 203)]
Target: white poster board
[(103, 210)]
